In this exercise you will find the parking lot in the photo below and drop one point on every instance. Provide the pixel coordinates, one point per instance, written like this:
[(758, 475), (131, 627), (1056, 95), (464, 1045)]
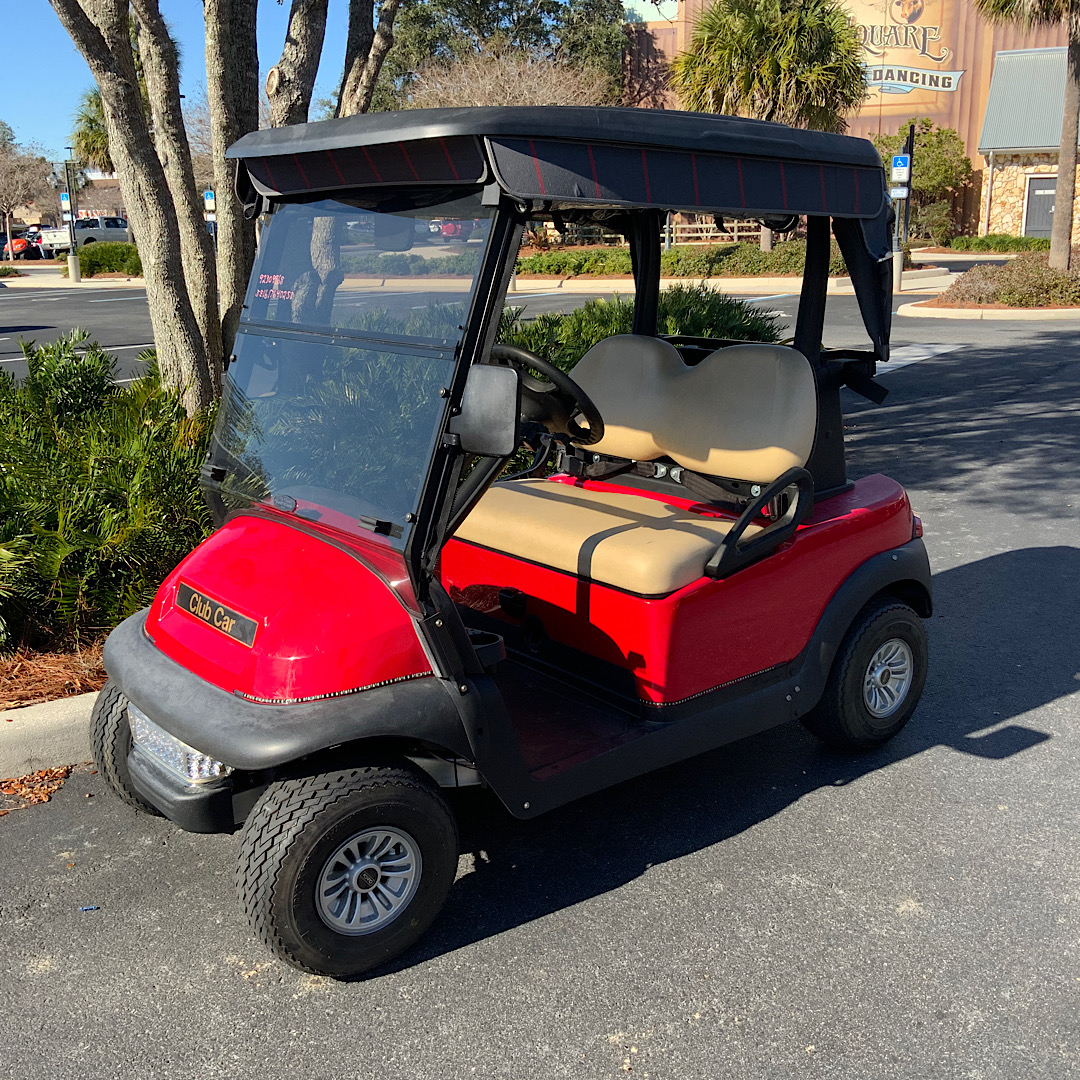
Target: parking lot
[(768, 910)]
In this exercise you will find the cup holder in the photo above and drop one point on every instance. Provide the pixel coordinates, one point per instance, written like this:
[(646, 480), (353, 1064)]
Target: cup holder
[(490, 648)]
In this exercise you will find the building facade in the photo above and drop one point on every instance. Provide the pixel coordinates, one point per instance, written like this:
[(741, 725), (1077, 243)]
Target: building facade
[(929, 58)]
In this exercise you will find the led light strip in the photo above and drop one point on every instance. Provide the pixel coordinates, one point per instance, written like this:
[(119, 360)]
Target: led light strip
[(334, 694)]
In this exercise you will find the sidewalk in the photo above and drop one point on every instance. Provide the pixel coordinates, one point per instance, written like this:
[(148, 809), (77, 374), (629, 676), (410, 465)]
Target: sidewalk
[(50, 278), (45, 736)]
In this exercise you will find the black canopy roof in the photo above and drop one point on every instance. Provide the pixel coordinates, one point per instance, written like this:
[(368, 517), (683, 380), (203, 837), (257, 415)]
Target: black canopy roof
[(573, 156)]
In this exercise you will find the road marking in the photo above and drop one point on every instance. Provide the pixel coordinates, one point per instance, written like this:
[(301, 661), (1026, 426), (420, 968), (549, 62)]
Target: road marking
[(762, 299), (115, 299), (912, 354)]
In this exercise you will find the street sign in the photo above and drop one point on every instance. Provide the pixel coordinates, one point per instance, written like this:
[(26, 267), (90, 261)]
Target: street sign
[(65, 200), (898, 193), (901, 168), (208, 201)]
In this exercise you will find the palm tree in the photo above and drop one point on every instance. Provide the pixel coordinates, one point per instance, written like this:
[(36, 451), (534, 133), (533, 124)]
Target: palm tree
[(89, 138), (1030, 13), (797, 62)]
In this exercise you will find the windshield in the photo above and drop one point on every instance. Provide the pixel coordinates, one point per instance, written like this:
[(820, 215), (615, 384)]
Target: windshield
[(333, 401)]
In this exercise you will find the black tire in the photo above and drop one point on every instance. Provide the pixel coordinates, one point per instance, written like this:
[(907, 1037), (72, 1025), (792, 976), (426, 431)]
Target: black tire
[(286, 846), (110, 742), (842, 718)]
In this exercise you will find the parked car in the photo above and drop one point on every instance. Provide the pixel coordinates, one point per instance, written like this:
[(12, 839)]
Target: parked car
[(25, 245), (88, 230)]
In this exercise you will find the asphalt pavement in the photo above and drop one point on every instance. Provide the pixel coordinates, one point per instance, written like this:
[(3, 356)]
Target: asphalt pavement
[(768, 910)]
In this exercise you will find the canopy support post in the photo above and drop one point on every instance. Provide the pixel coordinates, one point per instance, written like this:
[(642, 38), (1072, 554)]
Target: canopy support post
[(826, 464), (645, 262)]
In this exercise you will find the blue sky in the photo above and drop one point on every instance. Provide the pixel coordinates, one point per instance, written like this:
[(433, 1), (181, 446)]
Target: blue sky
[(44, 73)]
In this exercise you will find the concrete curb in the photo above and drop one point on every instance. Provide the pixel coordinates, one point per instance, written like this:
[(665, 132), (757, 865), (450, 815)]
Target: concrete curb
[(919, 311), (50, 282), (45, 736)]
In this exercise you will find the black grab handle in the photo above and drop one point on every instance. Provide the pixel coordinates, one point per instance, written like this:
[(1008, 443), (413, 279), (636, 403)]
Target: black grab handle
[(732, 555)]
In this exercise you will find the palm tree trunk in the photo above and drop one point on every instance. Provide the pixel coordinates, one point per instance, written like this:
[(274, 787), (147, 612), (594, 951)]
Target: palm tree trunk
[(1061, 233)]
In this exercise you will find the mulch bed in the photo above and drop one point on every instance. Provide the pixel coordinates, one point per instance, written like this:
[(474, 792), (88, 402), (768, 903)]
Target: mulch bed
[(22, 792), (997, 307), (30, 678)]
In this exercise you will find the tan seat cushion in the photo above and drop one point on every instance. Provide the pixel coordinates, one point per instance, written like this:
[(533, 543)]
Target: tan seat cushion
[(632, 542), (748, 412)]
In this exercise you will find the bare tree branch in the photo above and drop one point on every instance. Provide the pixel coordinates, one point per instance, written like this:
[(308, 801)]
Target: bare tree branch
[(290, 82), (365, 52)]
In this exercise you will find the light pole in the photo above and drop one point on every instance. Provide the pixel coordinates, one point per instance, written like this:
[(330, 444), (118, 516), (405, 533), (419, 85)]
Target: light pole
[(74, 273)]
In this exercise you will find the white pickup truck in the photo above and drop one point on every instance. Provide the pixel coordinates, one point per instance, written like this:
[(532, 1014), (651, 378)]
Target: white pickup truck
[(87, 231)]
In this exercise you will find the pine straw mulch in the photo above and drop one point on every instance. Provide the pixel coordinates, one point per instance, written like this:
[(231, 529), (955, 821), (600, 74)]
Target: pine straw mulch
[(22, 792), (30, 678)]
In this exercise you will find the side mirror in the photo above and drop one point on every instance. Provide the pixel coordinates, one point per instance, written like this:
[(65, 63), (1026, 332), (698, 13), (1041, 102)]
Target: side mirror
[(394, 233), (488, 422)]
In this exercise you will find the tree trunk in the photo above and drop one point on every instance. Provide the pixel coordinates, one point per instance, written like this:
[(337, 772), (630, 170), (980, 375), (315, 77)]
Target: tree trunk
[(232, 90), (290, 82), (1061, 232), (365, 51), (100, 32), (157, 52)]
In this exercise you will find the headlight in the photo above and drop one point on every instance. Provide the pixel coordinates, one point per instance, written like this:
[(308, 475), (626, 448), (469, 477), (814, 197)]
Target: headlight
[(190, 764)]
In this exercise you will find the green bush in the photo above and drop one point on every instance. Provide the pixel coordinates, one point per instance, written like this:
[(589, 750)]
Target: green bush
[(934, 220), (8, 271), (109, 257), (1027, 281), (1000, 242), (98, 493), (694, 310)]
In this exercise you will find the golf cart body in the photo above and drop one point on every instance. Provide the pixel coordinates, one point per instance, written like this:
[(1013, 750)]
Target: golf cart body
[(374, 592)]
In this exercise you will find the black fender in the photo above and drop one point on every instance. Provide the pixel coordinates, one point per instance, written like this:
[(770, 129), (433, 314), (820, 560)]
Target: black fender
[(251, 736), (902, 572)]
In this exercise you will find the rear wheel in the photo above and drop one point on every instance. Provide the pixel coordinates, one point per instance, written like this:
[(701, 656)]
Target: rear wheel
[(339, 873), (110, 743), (876, 679)]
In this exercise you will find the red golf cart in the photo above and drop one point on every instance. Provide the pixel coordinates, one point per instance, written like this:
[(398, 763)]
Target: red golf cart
[(378, 616)]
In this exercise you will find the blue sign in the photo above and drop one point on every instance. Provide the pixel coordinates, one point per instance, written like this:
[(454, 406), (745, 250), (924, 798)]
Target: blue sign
[(65, 199), (901, 168), (208, 198)]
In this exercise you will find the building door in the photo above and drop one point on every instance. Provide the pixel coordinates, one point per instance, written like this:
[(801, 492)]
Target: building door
[(1039, 218)]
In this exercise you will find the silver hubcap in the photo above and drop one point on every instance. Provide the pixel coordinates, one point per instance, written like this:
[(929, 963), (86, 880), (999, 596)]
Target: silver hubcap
[(368, 881), (888, 678)]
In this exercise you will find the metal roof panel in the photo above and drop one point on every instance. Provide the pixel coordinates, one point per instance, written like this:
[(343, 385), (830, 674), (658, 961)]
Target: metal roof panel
[(1026, 101)]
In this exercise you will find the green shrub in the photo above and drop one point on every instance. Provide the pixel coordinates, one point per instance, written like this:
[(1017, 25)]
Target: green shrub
[(1000, 242), (8, 271), (109, 257), (98, 493), (1026, 281), (693, 310), (934, 220)]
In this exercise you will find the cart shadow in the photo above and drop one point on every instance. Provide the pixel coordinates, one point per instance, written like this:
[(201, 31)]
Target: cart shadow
[(991, 618)]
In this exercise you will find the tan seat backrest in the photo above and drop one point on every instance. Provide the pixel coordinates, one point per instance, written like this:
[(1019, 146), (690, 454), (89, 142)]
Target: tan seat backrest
[(747, 412)]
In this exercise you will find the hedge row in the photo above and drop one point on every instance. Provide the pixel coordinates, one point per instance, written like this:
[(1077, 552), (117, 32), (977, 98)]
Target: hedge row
[(1000, 242)]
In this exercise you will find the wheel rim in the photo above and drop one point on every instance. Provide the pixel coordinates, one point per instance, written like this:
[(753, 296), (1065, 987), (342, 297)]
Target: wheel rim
[(888, 678), (368, 881)]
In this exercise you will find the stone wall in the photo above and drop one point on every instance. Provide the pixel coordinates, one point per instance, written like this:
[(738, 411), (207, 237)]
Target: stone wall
[(1010, 187)]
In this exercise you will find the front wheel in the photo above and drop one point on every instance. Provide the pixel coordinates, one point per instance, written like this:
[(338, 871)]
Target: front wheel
[(876, 679), (339, 873)]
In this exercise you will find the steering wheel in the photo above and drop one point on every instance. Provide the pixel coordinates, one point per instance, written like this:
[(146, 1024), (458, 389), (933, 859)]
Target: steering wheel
[(554, 400)]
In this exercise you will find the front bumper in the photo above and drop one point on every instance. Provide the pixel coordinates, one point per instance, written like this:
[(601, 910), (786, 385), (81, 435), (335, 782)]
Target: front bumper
[(208, 807)]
